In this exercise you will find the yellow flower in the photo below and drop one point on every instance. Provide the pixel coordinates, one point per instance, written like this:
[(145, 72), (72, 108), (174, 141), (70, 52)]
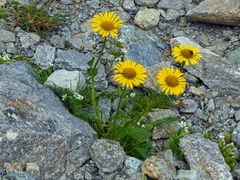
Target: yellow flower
[(186, 54), (129, 74), (171, 81), (106, 24)]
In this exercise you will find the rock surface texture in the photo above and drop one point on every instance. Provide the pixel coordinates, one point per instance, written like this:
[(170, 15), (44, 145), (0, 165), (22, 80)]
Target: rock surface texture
[(216, 11), (205, 157), (36, 128)]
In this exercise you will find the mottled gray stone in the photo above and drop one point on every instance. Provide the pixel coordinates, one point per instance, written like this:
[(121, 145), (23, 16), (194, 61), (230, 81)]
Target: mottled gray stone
[(147, 18), (236, 135), (76, 43), (45, 55), (108, 155), (71, 59), (6, 36), (72, 80), (58, 41), (140, 45), (237, 116), (188, 175), (211, 105), (149, 3), (199, 91), (172, 14), (129, 5), (216, 11), (189, 106), (36, 127), (18, 175), (160, 167), (205, 157), (28, 39), (234, 56), (105, 105), (172, 4), (132, 165)]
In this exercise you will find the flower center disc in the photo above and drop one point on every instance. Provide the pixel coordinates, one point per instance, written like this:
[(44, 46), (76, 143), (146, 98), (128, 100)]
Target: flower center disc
[(171, 81), (187, 53), (107, 25), (129, 73)]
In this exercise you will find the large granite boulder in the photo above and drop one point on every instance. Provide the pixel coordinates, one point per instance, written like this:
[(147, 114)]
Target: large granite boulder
[(36, 128), (216, 11)]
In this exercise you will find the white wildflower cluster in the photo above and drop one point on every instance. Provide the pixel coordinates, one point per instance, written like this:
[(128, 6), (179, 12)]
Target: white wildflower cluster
[(184, 125), (78, 96), (5, 56), (132, 94), (64, 97)]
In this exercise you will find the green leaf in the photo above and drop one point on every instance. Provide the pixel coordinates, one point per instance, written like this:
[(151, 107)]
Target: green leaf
[(164, 121), (140, 134)]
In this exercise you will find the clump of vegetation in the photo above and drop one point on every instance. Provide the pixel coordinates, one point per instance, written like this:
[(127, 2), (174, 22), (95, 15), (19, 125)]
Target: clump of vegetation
[(31, 18), (227, 148), (41, 74), (174, 139)]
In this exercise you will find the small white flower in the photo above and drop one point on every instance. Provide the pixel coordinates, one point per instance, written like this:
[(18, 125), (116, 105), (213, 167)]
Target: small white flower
[(124, 51), (64, 97), (78, 96), (5, 57), (138, 123), (183, 124), (143, 126), (221, 136), (132, 94)]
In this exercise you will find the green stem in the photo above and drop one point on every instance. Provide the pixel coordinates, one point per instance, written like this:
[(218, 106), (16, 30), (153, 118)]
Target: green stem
[(120, 101), (181, 67), (94, 103)]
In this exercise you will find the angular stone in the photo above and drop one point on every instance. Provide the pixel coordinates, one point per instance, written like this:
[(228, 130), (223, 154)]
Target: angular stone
[(234, 56), (28, 39), (140, 45), (188, 175), (205, 157), (132, 165), (149, 3), (3, 2), (36, 127), (159, 167), (147, 18), (216, 11), (18, 175), (13, 166), (45, 55), (173, 4), (72, 80), (108, 155), (71, 59), (216, 72), (199, 91), (33, 168), (236, 135), (189, 106), (129, 5), (237, 116), (58, 41), (6, 36)]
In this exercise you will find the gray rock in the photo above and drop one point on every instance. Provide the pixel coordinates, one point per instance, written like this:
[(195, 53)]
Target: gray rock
[(100, 79), (18, 175), (140, 45), (71, 59), (105, 105), (160, 167), (58, 41), (173, 4), (23, 2), (172, 14), (132, 165), (188, 175), (189, 106), (36, 127), (205, 157), (211, 105), (33, 168), (199, 91), (72, 80), (234, 56), (216, 11), (6, 36), (3, 2), (216, 72), (76, 43), (45, 55), (108, 155), (28, 39), (147, 18), (237, 116), (236, 135), (149, 3), (129, 5)]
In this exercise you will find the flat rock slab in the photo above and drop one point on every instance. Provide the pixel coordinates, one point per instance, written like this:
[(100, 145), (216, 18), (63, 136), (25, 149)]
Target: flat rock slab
[(205, 157), (35, 127), (225, 12)]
